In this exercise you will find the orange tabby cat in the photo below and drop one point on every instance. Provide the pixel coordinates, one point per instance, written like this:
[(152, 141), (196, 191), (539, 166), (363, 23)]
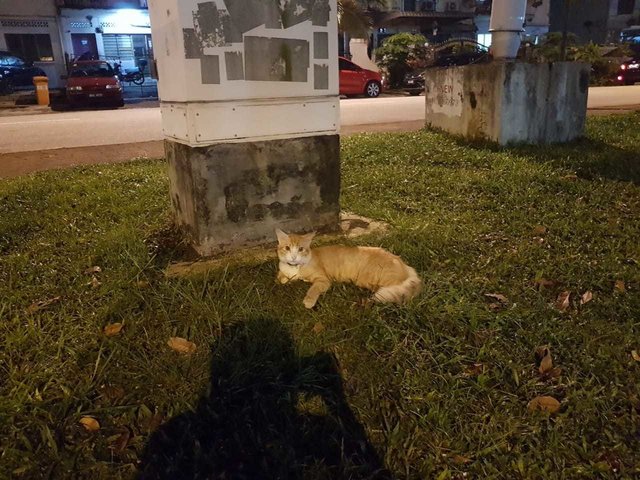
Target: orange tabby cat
[(387, 275)]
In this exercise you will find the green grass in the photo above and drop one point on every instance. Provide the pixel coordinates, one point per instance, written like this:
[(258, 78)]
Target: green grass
[(264, 380)]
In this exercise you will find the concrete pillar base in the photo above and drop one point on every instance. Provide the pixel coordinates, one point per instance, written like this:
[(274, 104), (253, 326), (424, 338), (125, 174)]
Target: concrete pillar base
[(230, 195), (509, 102)]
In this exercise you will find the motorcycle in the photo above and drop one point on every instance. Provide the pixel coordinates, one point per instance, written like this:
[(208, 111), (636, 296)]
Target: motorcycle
[(136, 77)]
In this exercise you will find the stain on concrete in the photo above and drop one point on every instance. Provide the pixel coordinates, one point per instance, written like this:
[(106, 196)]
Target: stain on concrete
[(472, 100), (320, 45), (234, 64), (211, 25), (321, 77), (210, 65), (321, 13), (584, 81), (276, 59), (192, 44)]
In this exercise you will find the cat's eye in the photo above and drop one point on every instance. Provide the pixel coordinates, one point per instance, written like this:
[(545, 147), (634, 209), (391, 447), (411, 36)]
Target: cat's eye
[(301, 249), (287, 248)]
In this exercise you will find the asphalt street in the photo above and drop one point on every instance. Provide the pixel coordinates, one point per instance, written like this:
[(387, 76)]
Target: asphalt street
[(28, 133)]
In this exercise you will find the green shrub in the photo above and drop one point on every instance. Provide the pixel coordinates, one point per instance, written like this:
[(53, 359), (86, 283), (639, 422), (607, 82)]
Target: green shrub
[(398, 53)]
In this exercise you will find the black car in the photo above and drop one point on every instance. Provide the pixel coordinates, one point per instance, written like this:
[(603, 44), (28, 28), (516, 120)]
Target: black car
[(16, 72), (629, 72), (413, 82)]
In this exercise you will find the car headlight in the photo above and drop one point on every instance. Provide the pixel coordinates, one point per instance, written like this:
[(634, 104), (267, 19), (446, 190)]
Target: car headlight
[(113, 87), (75, 89)]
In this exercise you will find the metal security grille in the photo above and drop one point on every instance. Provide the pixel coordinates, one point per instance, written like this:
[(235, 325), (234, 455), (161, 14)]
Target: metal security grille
[(25, 23), (30, 46), (118, 47)]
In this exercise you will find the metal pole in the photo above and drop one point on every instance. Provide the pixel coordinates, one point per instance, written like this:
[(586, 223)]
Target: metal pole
[(506, 27)]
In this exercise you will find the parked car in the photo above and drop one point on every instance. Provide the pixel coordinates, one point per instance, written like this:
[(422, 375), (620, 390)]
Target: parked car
[(355, 80), (629, 72), (413, 82), (16, 72), (93, 82)]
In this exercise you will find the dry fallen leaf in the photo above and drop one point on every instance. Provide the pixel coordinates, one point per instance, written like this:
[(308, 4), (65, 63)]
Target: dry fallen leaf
[(553, 373), (569, 177), (142, 284), (95, 283), (620, 286), (113, 329), (41, 305), (90, 424), (112, 392), (92, 270), (564, 301), (544, 283), (543, 356), (150, 424), (544, 404), (540, 230), (318, 328), (460, 459), (497, 296), (181, 345), (474, 370), (121, 441), (586, 297), (635, 355)]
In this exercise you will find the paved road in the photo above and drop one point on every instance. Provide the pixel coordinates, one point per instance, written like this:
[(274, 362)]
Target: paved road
[(109, 127)]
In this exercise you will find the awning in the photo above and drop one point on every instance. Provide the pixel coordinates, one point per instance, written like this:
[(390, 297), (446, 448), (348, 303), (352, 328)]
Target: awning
[(397, 18)]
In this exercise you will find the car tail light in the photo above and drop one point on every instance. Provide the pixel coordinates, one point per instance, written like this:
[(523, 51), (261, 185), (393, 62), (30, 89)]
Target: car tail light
[(75, 89), (623, 67), (620, 78)]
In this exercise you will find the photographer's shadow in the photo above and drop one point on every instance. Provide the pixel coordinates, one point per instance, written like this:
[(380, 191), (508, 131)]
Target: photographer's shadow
[(268, 414)]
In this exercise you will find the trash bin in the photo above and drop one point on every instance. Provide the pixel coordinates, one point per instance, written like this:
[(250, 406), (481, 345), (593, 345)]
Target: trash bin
[(42, 90)]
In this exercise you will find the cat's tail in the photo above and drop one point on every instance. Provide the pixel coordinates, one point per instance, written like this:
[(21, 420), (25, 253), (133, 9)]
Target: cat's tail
[(402, 292)]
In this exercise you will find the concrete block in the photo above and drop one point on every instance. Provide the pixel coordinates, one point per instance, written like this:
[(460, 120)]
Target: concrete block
[(509, 102), (232, 195)]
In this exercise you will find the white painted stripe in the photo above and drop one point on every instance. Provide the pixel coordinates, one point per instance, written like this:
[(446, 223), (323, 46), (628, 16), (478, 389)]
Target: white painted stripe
[(40, 121)]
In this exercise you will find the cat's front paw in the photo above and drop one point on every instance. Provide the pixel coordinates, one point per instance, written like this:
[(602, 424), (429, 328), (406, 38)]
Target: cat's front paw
[(282, 278), (309, 302)]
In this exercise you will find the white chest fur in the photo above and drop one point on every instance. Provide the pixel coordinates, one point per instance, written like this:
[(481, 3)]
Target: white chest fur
[(291, 271)]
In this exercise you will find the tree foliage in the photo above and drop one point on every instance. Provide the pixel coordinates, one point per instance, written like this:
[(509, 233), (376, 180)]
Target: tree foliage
[(399, 54), (353, 16)]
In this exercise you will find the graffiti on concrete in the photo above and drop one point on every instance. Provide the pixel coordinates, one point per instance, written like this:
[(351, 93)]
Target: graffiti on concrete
[(251, 38)]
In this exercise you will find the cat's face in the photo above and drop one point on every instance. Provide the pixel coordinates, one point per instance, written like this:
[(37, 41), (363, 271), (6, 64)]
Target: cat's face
[(293, 249)]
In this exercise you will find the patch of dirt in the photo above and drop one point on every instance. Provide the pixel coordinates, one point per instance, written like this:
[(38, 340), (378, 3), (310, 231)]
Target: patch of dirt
[(22, 163)]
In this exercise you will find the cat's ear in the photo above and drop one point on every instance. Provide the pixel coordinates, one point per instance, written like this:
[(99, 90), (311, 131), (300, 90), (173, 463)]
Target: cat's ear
[(307, 239), (283, 238)]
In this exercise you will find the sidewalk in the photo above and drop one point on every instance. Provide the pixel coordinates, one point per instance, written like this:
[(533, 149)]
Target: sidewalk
[(24, 102)]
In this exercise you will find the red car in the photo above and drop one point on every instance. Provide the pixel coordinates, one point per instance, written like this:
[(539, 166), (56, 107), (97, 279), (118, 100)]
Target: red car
[(355, 80), (94, 82)]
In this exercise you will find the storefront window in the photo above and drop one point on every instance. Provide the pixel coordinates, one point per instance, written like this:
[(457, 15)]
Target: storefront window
[(30, 46)]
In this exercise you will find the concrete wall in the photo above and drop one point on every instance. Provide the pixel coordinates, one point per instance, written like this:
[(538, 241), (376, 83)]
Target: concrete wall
[(35, 17), (230, 195), (588, 19), (358, 48), (509, 102), (116, 21), (41, 8)]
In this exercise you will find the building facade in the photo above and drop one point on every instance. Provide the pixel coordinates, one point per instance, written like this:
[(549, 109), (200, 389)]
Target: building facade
[(31, 30), (52, 33), (597, 21), (437, 20), (116, 31)]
